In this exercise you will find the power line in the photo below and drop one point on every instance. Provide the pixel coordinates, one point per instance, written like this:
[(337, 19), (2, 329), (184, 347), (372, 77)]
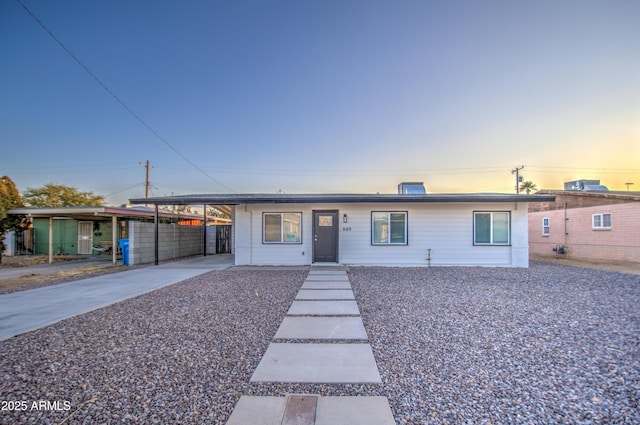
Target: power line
[(124, 190), (120, 101)]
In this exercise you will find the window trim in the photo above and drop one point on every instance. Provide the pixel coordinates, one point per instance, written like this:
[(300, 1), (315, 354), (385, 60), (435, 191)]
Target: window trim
[(601, 226), (282, 241), (491, 212), (406, 229), (546, 227)]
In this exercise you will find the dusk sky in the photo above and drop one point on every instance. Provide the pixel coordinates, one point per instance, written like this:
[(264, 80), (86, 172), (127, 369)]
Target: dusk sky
[(319, 97)]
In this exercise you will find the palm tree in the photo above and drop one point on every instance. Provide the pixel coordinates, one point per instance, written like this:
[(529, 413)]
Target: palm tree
[(528, 186)]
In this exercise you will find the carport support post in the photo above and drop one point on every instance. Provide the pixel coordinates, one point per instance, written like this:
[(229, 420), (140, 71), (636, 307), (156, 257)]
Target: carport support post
[(51, 240), (204, 230), (156, 233), (114, 228)]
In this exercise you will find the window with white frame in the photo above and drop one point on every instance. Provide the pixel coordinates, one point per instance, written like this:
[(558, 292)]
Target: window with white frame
[(601, 221), (545, 226), (491, 228), (389, 228), (282, 228)]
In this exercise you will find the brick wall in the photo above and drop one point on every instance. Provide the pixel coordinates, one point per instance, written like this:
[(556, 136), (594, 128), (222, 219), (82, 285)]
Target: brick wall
[(174, 242), (619, 243), (576, 199)]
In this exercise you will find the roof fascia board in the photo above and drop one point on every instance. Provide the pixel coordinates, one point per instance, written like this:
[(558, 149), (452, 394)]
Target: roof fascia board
[(340, 198), (51, 211)]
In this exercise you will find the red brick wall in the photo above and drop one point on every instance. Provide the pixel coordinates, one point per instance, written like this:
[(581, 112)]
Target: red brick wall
[(620, 243)]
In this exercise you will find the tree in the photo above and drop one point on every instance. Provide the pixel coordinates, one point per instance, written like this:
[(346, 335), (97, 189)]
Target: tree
[(528, 186), (54, 195), (9, 198)]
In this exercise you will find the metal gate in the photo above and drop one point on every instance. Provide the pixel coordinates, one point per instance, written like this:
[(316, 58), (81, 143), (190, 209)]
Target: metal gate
[(19, 242), (223, 239), (24, 242), (85, 237)]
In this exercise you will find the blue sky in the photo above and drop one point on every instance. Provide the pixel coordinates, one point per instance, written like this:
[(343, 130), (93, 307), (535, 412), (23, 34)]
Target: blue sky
[(331, 96)]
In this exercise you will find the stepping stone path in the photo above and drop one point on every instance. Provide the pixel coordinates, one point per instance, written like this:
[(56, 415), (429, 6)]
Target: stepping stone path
[(324, 309)]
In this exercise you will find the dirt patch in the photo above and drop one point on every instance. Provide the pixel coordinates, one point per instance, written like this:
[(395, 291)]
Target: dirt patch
[(31, 260), (620, 267), (46, 278)]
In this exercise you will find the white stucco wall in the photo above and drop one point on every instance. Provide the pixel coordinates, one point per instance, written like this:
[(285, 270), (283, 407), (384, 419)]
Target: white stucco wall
[(446, 229)]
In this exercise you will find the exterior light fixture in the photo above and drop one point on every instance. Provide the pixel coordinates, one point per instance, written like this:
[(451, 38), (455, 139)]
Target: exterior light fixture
[(344, 218)]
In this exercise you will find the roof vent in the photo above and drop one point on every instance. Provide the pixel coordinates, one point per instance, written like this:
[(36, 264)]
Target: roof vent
[(411, 188)]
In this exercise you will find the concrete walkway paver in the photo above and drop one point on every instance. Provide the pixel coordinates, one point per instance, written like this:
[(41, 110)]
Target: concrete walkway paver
[(327, 278), (327, 308), (372, 410), (258, 410), (331, 410), (328, 294), (318, 363), (323, 284), (321, 328), (318, 313), (25, 311)]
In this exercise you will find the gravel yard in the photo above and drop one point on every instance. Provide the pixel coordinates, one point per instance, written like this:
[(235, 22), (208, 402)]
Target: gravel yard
[(549, 344)]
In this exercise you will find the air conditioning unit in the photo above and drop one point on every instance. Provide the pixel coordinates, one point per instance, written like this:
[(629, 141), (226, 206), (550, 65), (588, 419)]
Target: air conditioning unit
[(411, 188)]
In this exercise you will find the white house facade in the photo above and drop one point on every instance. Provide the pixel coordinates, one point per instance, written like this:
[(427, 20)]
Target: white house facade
[(387, 230), (398, 234)]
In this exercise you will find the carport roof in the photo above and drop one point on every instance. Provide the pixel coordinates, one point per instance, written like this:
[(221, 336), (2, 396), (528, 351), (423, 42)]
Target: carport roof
[(263, 198), (91, 213)]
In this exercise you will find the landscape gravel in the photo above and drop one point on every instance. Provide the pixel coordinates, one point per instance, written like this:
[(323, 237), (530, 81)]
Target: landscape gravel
[(548, 344)]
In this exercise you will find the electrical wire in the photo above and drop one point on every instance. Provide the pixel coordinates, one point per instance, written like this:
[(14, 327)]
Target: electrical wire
[(124, 190), (117, 99)]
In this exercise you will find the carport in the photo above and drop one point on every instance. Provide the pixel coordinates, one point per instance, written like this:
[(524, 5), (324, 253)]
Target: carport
[(205, 200), (116, 216)]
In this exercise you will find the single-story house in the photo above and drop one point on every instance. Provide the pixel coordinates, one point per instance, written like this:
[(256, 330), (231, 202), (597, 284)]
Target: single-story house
[(592, 225), (401, 229)]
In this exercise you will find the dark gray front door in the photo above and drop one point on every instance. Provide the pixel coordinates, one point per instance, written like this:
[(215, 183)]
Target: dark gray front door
[(325, 236)]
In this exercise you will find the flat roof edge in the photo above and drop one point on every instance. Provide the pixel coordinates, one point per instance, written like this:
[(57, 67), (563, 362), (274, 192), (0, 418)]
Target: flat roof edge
[(338, 198)]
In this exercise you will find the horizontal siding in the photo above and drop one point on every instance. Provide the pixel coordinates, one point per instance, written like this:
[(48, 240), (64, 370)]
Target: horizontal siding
[(446, 229), (284, 254)]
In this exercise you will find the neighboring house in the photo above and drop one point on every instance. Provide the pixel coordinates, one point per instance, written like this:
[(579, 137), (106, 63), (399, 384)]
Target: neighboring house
[(391, 230), (90, 231), (586, 225)]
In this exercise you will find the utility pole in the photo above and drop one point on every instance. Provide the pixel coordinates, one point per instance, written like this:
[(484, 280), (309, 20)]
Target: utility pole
[(628, 184), (516, 171), (147, 165)]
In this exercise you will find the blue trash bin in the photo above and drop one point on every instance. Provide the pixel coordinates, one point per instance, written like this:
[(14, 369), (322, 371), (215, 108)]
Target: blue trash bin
[(124, 248)]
